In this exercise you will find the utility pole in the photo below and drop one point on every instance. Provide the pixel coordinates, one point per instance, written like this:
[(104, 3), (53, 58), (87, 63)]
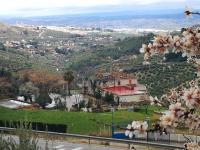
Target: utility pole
[(112, 110)]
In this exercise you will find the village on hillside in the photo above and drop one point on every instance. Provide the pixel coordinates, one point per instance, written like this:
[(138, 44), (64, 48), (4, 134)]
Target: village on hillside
[(115, 89)]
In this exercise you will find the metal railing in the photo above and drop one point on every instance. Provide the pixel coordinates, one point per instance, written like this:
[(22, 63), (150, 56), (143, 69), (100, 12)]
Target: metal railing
[(129, 142)]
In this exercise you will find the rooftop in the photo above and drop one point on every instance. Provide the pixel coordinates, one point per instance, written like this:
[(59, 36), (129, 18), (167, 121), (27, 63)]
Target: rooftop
[(122, 90)]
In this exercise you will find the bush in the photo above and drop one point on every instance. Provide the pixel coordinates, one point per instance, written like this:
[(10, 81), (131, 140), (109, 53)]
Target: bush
[(109, 97), (168, 76), (27, 140), (43, 99)]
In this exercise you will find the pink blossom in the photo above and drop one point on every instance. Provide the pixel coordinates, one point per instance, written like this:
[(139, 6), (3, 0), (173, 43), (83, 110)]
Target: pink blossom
[(167, 119)]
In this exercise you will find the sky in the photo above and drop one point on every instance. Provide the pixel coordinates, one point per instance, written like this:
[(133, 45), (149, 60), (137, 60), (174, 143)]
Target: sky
[(54, 7)]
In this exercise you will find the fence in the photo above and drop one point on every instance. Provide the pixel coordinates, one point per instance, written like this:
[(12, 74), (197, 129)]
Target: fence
[(181, 138), (129, 142), (150, 136), (35, 126), (157, 137)]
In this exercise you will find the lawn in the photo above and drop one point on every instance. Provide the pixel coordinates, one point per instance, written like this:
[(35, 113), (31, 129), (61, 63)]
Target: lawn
[(77, 122)]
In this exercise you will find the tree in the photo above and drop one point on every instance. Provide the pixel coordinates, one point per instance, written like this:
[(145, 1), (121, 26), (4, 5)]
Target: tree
[(9, 86), (43, 99), (2, 47), (27, 90), (69, 78), (46, 82), (145, 102), (93, 84), (27, 140), (184, 100), (109, 97), (98, 96), (34, 42), (82, 104), (25, 32)]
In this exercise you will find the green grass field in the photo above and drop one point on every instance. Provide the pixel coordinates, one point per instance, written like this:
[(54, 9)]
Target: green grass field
[(77, 122)]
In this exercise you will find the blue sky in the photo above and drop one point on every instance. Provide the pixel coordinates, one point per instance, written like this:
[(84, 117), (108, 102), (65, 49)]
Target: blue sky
[(55, 7)]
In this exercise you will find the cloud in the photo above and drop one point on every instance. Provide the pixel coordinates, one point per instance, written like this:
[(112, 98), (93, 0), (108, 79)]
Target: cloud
[(35, 7)]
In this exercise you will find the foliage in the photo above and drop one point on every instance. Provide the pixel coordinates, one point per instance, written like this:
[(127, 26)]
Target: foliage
[(34, 42), (27, 140), (160, 78), (8, 84), (61, 51), (175, 57), (40, 83), (28, 89), (90, 103), (184, 101), (109, 97), (2, 47), (93, 84), (43, 99), (128, 46), (82, 104), (187, 44), (69, 77), (86, 59), (98, 94), (43, 79), (5, 73)]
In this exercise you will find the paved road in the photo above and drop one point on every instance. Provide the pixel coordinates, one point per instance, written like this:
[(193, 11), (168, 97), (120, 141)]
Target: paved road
[(65, 145), (77, 145)]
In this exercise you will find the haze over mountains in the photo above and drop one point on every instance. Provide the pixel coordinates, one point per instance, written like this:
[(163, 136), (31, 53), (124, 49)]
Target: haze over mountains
[(150, 19)]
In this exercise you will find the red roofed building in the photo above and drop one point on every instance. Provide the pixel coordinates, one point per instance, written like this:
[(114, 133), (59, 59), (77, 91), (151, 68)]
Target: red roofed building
[(124, 88)]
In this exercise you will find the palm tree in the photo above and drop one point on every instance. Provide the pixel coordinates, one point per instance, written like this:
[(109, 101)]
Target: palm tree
[(69, 77), (93, 85)]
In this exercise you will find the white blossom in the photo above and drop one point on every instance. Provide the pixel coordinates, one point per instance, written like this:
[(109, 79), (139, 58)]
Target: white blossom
[(137, 127)]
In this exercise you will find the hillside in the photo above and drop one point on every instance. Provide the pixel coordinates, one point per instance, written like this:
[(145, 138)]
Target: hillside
[(123, 48), (52, 49), (85, 54), (161, 76)]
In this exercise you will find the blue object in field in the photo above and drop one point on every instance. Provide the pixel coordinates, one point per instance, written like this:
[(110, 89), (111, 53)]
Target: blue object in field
[(130, 109), (119, 136)]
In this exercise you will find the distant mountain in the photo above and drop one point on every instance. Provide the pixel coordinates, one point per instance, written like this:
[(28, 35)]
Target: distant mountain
[(196, 26), (169, 19)]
